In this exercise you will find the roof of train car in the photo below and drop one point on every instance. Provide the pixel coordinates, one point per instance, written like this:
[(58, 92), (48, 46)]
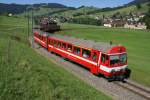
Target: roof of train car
[(102, 46)]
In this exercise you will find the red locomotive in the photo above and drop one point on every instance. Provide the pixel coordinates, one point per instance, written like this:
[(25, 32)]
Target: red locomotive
[(100, 58)]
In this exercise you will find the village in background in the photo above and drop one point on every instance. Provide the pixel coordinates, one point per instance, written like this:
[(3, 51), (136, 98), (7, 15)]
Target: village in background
[(134, 15)]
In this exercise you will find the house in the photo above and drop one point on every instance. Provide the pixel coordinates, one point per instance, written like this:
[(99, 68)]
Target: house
[(107, 25), (135, 25), (107, 22), (118, 23)]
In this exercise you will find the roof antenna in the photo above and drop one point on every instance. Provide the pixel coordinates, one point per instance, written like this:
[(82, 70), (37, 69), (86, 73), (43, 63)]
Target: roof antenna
[(110, 43)]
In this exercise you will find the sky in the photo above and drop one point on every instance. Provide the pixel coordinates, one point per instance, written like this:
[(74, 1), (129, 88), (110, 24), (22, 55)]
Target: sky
[(74, 3)]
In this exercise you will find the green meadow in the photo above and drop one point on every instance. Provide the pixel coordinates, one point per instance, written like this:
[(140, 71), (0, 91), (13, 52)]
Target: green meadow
[(137, 43), (26, 75)]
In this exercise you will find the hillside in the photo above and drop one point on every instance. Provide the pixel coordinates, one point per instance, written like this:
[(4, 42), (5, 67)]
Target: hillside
[(126, 10), (134, 40), (54, 9), (135, 2), (26, 75), (99, 12), (18, 8)]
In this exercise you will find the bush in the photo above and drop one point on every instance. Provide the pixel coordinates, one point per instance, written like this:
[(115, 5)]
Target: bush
[(147, 19), (86, 20)]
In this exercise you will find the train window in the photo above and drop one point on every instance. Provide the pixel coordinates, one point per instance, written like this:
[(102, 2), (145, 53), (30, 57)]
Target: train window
[(48, 41), (86, 53), (64, 45), (59, 44), (55, 43), (94, 57), (103, 58), (76, 50), (51, 42), (123, 58), (44, 39), (69, 48), (41, 38), (114, 59)]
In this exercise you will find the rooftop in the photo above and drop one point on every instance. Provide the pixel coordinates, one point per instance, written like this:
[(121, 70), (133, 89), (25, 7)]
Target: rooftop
[(102, 46), (90, 44)]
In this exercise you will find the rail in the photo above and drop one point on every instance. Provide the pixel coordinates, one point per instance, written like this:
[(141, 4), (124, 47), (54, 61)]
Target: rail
[(143, 92)]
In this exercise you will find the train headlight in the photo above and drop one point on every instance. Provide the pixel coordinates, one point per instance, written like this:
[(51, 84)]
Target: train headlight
[(113, 70)]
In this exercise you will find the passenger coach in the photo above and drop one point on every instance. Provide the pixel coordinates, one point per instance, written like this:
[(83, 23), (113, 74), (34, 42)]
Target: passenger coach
[(100, 58)]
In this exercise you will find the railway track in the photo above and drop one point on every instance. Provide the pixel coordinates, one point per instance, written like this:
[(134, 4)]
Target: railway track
[(144, 92), (117, 90)]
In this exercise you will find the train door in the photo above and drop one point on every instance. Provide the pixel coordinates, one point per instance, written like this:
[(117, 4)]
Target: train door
[(104, 60), (95, 55)]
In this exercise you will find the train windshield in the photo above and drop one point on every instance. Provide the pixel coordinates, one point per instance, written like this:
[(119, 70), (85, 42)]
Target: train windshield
[(123, 59), (116, 60)]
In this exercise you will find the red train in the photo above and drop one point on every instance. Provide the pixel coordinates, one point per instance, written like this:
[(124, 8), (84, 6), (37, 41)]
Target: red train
[(100, 58)]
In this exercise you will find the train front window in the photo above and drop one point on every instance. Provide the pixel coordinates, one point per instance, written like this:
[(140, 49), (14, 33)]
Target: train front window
[(123, 58), (114, 59), (118, 59)]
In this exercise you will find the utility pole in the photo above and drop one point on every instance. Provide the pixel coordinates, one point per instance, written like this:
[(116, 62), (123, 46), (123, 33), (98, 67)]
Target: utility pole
[(32, 20), (28, 23)]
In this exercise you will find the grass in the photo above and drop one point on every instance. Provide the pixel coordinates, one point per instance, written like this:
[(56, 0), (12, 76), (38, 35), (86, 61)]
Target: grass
[(84, 10), (25, 75), (136, 42), (126, 10), (43, 11)]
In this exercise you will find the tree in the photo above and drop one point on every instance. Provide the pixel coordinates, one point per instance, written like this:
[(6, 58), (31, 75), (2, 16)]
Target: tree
[(147, 19), (138, 6)]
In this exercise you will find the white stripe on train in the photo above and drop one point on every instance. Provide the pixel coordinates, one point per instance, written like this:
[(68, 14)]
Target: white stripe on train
[(105, 68), (94, 63)]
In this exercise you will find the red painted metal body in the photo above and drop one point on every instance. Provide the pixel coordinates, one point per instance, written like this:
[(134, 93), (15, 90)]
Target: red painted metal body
[(107, 67)]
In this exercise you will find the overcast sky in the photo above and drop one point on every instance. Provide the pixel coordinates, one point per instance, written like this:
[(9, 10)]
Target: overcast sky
[(73, 3)]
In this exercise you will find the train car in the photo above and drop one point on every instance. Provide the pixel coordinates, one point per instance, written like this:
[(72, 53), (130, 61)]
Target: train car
[(40, 39), (47, 24), (99, 58)]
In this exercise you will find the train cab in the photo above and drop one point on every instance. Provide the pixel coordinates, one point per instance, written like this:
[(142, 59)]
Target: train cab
[(40, 39), (114, 62)]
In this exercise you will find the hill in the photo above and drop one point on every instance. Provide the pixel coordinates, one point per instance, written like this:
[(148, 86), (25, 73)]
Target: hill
[(12, 8), (135, 2), (126, 10), (134, 40), (99, 12), (59, 10), (26, 75), (18, 8)]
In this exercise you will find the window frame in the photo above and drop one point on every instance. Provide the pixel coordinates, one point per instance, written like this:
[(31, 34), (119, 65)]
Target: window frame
[(65, 48), (55, 43), (77, 48), (86, 50), (71, 50), (58, 44), (97, 56)]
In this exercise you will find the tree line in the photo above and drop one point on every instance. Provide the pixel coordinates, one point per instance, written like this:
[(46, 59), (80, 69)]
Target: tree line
[(86, 20)]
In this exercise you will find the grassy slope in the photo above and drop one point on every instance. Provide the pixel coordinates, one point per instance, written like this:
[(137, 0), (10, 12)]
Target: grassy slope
[(44, 11), (70, 13), (24, 75), (136, 42), (124, 10)]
